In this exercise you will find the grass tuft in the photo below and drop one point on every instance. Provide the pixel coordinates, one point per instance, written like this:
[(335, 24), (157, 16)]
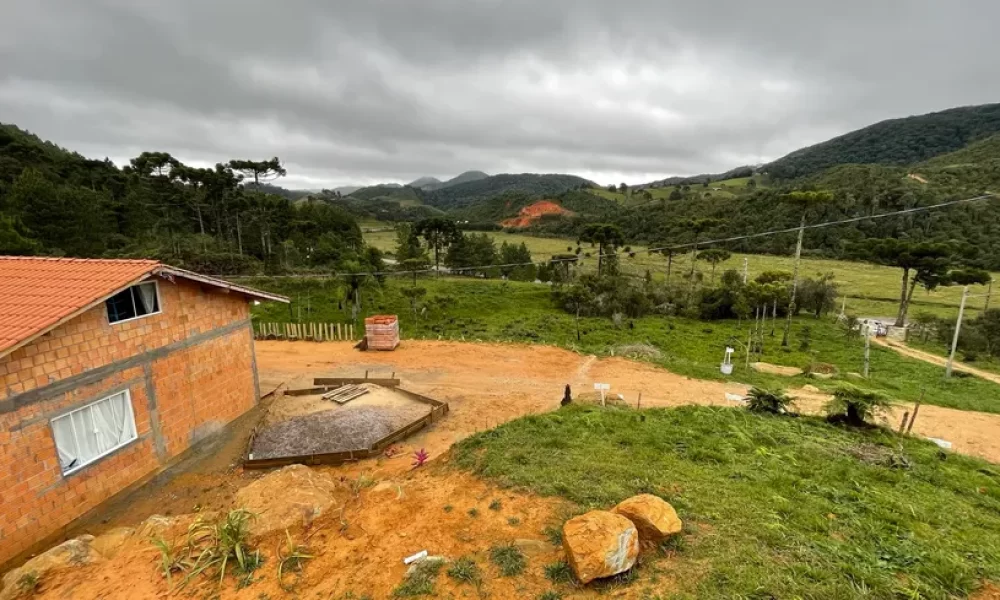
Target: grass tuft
[(509, 559), (421, 581), (560, 572), (465, 570)]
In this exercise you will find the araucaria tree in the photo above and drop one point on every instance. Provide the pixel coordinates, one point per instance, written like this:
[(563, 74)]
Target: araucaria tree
[(714, 256), (924, 263), (606, 236), (439, 233)]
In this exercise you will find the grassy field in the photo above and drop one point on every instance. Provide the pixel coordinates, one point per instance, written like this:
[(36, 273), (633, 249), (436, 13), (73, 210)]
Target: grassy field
[(774, 507), (727, 188), (473, 309), (870, 290)]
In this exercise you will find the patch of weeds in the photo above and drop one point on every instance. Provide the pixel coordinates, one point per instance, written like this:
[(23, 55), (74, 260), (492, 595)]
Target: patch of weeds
[(513, 521), (550, 595), (448, 508), (473, 512), (617, 581), (28, 582), (421, 581), (361, 482), (220, 546), (879, 456), (291, 561), (496, 504), (351, 596), (171, 559), (509, 559), (554, 534), (465, 570), (560, 572)]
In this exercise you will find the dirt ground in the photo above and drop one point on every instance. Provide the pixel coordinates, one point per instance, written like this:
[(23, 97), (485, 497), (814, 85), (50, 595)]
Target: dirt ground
[(485, 385)]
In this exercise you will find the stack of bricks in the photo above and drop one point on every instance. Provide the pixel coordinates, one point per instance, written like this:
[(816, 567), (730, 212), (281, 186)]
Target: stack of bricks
[(382, 332)]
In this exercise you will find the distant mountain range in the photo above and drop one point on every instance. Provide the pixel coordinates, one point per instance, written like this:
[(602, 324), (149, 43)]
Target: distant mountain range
[(432, 183)]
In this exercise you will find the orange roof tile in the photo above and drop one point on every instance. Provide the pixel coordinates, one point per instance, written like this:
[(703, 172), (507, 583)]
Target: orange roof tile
[(37, 294)]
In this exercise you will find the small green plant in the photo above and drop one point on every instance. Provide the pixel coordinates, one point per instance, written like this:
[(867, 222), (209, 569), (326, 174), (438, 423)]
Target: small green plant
[(473, 512), (806, 339), (291, 561), (361, 482), (220, 545), (448, 508), (496, 505), (554, 534), (465, 570), (550, 595), (171, 560), (420, 582), (855, 406), (761, 400), (560, 572), (513, 521), (509, 559), (28, 582)]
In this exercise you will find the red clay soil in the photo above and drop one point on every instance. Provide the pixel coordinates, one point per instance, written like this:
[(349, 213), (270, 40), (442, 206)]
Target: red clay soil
[(529, 214), (485, 385)]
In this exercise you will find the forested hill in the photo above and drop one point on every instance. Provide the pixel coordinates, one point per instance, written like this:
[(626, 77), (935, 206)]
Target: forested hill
[(466, 194), (57, 202), (894, 142)]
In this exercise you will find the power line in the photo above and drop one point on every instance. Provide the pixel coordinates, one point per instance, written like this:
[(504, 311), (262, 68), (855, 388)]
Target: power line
[(702, 243)]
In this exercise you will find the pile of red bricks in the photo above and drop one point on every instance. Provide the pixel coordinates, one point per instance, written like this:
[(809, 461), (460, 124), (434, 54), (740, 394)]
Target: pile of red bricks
[(382, 332)]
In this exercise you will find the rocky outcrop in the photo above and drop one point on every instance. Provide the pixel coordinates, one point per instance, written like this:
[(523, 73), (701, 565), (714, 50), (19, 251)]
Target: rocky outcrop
[(73, 553), (763, 367), (600, 544), (292, 497), (655, 518)]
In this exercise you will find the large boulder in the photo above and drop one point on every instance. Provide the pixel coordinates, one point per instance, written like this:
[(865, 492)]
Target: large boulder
[(289, 498), (763, 367), (73, 553), (653, 517), (110, 543), (600, 544)]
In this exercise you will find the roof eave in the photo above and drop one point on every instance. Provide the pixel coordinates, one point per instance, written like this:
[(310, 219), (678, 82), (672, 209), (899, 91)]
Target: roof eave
[(220, 283)]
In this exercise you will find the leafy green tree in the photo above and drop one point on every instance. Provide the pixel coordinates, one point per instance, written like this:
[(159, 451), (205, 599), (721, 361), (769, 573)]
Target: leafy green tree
[(439, 233), (515, 261), (818, 296), (472, 254), (408, 243), (714, 256), (607, 237)]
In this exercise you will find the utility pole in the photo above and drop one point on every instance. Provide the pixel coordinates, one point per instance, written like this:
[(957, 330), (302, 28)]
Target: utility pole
[(989, 294), (958, 329), (746, 269), (795, 282), (868, 347)]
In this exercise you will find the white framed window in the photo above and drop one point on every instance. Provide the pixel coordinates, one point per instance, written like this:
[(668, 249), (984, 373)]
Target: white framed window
[(135, 302), (88, 433)]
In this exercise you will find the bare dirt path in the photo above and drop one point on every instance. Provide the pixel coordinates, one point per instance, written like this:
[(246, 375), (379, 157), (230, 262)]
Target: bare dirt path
[(934, 359)]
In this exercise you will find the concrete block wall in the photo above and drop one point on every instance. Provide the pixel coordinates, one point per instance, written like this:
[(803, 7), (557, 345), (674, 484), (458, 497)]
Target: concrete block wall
[(189, 371)]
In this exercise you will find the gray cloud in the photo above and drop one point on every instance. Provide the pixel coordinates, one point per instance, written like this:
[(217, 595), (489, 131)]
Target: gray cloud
[(391, 90)]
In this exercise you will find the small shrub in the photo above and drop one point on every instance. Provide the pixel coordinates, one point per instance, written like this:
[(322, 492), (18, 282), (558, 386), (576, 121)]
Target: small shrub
[(473, 512), (448, 508), (465, 570), (560, 572), (421, 581), (554, 534), (291, 561), (509, 559), (496, 505), (761, 400), (513, 521), (855, 406)]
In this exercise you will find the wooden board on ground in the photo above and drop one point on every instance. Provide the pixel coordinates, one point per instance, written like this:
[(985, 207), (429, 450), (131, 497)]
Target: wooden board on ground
[(345, 393)]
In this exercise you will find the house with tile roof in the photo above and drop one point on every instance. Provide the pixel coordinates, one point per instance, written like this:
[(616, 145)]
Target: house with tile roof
[(110, 371)]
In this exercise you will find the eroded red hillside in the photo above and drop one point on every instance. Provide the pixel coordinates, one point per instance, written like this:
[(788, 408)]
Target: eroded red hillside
[(531, 213)]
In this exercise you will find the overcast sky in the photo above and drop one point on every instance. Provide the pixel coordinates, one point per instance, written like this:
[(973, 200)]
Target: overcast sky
[(363, 91)]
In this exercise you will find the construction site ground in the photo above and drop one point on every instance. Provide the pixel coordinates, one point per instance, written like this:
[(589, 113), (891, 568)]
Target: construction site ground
[(402, 510)]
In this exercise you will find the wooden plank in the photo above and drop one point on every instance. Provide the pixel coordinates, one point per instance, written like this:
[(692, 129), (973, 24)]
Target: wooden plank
[(339, 381)]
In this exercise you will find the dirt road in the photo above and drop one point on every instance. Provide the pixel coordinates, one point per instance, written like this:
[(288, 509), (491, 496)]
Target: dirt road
[(934, 359)]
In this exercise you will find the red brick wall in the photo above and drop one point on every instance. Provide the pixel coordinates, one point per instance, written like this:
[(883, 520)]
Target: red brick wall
[(199, 386)]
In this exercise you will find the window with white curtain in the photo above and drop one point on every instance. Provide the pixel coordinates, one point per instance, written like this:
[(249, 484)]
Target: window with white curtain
[(88, 433), (137, 301)]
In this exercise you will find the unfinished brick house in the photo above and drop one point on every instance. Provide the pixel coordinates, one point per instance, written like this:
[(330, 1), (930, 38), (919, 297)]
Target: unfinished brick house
[(109, 371)]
